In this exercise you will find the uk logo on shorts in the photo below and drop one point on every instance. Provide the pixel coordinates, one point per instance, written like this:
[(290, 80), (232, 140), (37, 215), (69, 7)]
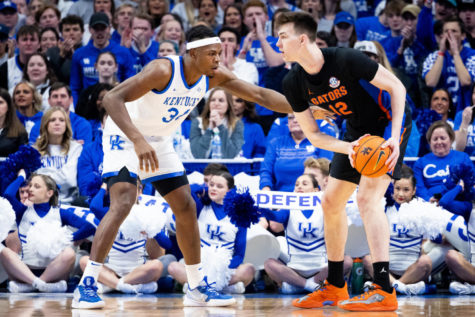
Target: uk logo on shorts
[(334, 82)]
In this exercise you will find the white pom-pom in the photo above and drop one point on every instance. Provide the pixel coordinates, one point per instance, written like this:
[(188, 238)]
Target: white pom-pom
[(215, 263), (142, 222), (47, 239), (353, 214), (7, 218), (423, 218)]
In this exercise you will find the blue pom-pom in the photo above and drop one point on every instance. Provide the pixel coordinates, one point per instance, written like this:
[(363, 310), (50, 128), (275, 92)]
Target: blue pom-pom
[(27, 158), (425, 118), (94, 185), (241, 208)]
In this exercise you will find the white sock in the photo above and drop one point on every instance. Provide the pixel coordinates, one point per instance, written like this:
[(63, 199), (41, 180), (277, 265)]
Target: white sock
[(92, 270), (194, 274), (310, 284), (38, 283)]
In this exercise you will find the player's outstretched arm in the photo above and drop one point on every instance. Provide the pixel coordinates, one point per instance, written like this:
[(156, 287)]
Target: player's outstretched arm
[(155, 75), (265, 97)]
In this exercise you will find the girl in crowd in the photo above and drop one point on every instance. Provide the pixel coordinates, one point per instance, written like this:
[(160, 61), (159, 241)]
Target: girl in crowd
[(217, 118), (344, 29), (172, 31), (167, 48), (28, 103), (308, 261), (408, 266), (30, 272), (313, 7), (157, 8), (211, 214), (233, 18), (59, 152), (207, 11), (49, 38), (188, 12), (38, 71), (254, 138), (13, 133)]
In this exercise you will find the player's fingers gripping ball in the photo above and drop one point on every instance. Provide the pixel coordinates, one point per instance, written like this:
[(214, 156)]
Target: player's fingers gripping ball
[(369, 158)]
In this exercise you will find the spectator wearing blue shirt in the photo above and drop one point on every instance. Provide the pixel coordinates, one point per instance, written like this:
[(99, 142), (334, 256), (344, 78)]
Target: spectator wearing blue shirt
[(60, 96), (432, 170), (372, 28), (467, 15), (406, 53), (258, 47), (123, 16), (464, 127), (284, 158), (139, 41), (83, 73), (254, 138), (426, 20), (453, 65)]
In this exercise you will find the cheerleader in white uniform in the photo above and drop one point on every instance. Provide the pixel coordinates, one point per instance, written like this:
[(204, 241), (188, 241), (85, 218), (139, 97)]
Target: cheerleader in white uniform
[(463, 269), (408, 266), (218, 233), (29, 272), (127, 268), (308, 264)]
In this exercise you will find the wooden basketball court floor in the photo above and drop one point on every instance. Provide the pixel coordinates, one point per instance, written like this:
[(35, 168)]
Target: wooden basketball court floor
[(34, 304)]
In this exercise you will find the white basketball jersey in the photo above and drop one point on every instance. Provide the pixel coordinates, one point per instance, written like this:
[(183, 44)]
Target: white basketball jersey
[(471, 236), (306, 241), (30, 217), (160, 113), (214, 232), (127, 252), (404, 245)]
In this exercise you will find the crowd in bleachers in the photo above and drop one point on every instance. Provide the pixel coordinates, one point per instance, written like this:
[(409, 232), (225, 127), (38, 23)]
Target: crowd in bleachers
[(59, 58)]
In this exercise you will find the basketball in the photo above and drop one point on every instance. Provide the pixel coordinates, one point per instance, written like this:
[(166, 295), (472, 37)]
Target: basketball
[(369, 158)]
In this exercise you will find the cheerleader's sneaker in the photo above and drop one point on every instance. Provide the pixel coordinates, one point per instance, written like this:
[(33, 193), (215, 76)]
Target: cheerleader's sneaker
[(324, 295), (58, 287), (416, 288), (237, 288), (85, 295), (206, 295), (17, 287), (290, 289), (461, 288), (147, 288), (375, 299)]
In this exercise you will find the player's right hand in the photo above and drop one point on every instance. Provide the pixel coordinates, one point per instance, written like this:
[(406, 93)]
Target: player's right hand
[(148, 161)]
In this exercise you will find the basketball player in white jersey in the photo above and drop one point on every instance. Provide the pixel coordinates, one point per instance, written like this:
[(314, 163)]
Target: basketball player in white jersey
[(144, 111)]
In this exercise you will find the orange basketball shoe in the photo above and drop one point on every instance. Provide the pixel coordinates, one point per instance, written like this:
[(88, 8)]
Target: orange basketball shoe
[(375, 299), (325, 295)]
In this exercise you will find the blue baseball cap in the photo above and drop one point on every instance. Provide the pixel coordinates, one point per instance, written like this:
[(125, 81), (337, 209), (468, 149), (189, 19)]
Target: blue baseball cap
[(344, 17), (8, 5), (452, 3)]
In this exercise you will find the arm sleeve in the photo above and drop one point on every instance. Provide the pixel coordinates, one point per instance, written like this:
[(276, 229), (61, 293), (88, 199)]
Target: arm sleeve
[(280, 216), (126, 70), (232, 144), (267, 166), (10, 195), (199, 143), (88, 173), (97, 204), (239, 248), (457, 207), (198, 191), (163, 240), (425, 29), (85, 229), (83, 131), (34, 133), (75, 81)]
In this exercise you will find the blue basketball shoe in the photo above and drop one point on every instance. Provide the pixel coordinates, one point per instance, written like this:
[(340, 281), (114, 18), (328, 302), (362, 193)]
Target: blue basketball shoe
[(85, 295), (206, 295)]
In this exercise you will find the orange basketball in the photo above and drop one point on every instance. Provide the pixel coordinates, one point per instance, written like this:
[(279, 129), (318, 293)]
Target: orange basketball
[(370, 158)]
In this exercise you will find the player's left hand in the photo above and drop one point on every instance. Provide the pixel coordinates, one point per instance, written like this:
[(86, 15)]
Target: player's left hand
[(322, 114), (393, 144), (351, 152)]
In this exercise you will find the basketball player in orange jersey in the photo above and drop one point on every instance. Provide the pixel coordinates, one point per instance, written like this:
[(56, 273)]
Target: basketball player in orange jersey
[(372, 100)]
